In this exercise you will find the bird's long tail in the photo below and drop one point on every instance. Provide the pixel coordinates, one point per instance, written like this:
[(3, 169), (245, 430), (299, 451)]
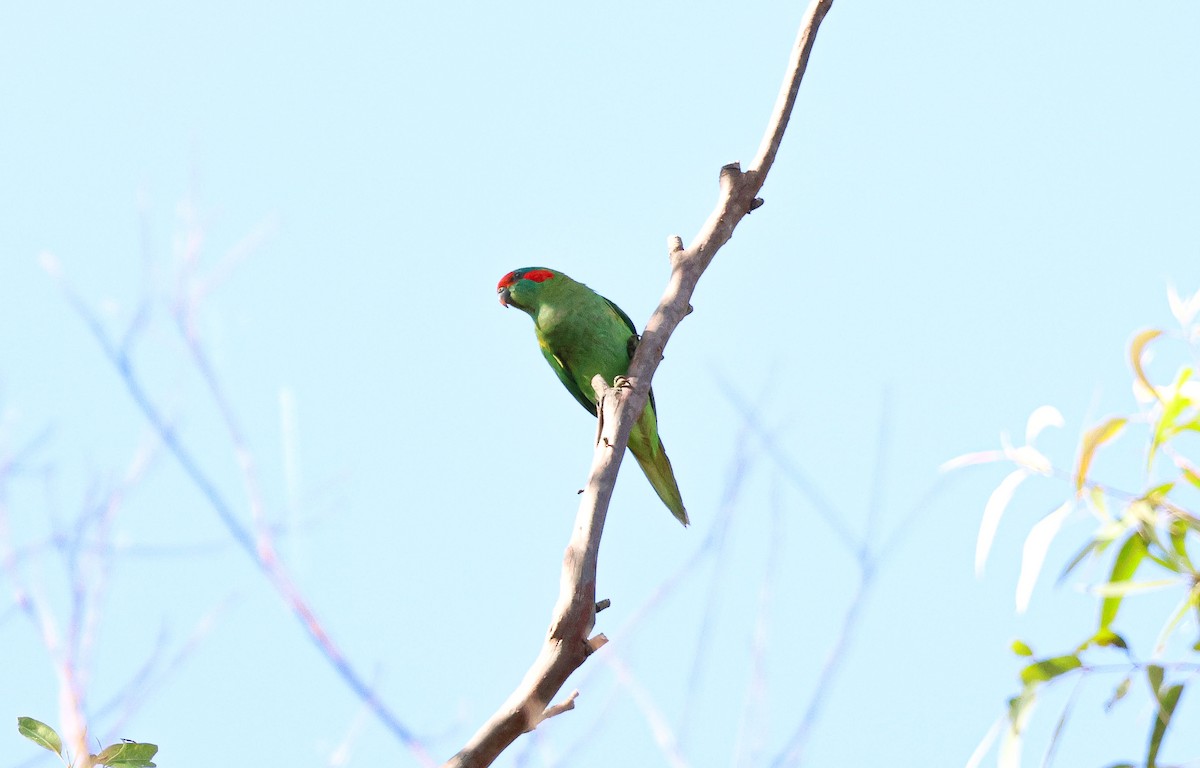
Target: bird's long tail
[(658, 471)]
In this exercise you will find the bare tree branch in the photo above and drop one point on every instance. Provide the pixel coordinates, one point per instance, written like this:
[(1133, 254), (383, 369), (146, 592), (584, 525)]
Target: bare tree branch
[(567, 643), (257, 543)]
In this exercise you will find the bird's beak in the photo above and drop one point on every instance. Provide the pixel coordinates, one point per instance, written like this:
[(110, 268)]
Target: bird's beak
[(505, 298)]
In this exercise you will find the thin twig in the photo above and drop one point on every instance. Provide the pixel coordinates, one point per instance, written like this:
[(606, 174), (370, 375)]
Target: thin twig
[(792, 751), (720, 536), (751, 737), (664, 737), (870, 560), (792, 471)]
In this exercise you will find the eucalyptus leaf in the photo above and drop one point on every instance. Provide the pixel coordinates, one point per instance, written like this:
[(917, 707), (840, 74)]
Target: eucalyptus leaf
[(1095, 546), (1093, 439), (129, 754), (1154, 676), (1177, 532), (1176, 618), (1048, 669), (1033, 553), (1136, 350), (1166, 707), (1166, 428), (1132, 552), (1108, 639), (992, 512), (1122, 588), (40, 733), (1020, 709), (1119, 693)]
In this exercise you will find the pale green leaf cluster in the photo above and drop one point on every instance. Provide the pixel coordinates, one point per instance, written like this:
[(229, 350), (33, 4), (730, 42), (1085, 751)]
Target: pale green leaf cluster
[(1143, 539)]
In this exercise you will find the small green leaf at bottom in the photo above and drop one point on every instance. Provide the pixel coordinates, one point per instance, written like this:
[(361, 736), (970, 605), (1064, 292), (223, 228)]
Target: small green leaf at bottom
[(40, 733), (130, 754)]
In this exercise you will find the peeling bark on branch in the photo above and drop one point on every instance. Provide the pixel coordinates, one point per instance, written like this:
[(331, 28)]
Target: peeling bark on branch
[(568, 642)]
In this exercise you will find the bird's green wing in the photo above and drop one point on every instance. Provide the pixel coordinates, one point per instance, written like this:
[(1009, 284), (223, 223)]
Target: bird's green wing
[(631, 344), (625, 317), (564, 375)]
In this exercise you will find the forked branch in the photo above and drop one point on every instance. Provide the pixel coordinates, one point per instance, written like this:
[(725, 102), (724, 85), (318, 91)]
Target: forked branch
[(568, 641)]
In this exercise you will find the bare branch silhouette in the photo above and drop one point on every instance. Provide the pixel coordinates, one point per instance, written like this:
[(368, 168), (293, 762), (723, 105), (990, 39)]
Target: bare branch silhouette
[(258, 545), (869, 556)]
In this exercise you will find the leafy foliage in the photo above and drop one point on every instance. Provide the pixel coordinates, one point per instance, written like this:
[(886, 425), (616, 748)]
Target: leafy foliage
[(1152, 531), (40, 733), (125, 754)]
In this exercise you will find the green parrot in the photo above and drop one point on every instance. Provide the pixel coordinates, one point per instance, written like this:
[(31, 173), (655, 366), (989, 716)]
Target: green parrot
[(582, 334)]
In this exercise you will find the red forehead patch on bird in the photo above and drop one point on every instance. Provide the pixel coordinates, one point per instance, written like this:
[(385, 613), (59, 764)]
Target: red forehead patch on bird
[(536, 275)]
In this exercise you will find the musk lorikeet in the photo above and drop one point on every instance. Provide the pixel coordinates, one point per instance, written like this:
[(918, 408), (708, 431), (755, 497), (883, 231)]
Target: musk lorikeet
[(582, 334)]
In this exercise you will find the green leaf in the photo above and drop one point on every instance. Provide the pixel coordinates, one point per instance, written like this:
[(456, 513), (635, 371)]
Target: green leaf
[(1048, 669), (1154, 675), (129, 754), (1172, 623), (1159, 492), (1099, 502), (1133, 551), (1178, 534), (1136, 350), (1093, 439), (1108, 639), (1052, 747), (1123, 588), (1166, 427), (1020, 709), (1021, 649), (1166, 707), (1089, 548), (1119, 693), (40, 733)]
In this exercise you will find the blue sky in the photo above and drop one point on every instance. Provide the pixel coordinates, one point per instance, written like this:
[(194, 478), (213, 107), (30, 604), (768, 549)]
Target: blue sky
[(975, 208)]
